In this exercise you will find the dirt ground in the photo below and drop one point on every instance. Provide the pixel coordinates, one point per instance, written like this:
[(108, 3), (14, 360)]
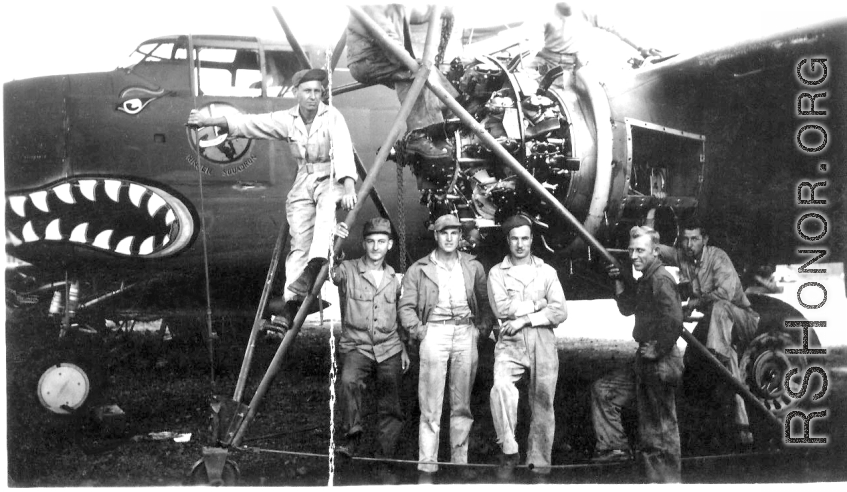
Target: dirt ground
[(165, 385)]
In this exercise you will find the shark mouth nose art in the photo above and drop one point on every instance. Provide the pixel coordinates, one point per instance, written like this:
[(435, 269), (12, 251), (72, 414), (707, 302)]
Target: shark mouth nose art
[(119, 216)]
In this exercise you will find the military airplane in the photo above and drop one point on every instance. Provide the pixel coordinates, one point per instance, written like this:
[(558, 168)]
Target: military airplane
[(109, 194)]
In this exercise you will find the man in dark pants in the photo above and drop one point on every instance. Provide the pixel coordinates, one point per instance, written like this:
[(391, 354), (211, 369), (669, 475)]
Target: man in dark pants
[(369, 63), (717, 292), (652, 380), (371, 343)]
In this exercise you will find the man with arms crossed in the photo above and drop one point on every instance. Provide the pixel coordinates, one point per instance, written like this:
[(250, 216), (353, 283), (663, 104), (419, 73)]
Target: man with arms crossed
[(528, 300)]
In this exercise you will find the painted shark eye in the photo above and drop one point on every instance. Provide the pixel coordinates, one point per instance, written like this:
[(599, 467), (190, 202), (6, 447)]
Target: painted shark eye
[(133, 106), (119, 216)]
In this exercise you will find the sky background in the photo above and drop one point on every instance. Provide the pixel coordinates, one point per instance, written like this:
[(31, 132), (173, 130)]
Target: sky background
[(57, 37)]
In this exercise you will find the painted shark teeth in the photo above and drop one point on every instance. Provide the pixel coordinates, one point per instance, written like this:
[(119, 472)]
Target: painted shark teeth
[(102, 239), (124, 246), (113, 189), (17, 203), (65, 193), (52, 231), (154, 204), (29, 233), (39, 199), (168, 229), (136, 193), (87, 186), (80, 233), (147, 246)]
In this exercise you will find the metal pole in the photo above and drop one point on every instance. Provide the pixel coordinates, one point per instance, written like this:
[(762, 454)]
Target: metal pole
[(257, 321), (382, 156), (492, 144), (432, 82), (295, 46), (339, 48), (727, 376)]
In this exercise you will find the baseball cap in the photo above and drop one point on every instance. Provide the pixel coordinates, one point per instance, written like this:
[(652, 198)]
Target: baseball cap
[(376, 225)]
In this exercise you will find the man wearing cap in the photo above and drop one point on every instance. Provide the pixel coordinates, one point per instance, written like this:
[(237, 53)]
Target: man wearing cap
[(319, 139), (369, 63), (445, 308), (529, 302), (371, 342)]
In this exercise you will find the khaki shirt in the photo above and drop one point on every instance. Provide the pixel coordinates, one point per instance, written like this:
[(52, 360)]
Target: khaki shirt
[(368, 311), (328, 139)]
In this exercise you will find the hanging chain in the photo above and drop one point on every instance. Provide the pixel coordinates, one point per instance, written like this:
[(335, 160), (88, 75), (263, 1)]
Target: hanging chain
[(401, 217), (333, 367), (446, 30)]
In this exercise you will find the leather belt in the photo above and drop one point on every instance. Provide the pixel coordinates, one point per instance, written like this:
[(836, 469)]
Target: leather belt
[(317, 167), (461, 321)]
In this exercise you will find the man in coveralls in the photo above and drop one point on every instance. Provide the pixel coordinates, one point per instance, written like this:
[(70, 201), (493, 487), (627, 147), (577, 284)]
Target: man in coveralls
[(657, 370), (318, 138), (716, 290), (528, 300)]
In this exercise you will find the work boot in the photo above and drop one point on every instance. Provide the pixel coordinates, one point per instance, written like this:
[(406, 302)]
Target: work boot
[(303, 285), (539, 478), (611, 455), (418, 143), (425, 478), (386, 474), (506, 471)]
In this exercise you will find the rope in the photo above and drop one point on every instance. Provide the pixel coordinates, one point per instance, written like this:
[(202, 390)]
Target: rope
[(210, 340), (333, 367), (569, 466)]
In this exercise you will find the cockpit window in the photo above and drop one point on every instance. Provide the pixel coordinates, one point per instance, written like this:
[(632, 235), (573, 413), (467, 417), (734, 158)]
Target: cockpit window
[(155, 52), (229, 72)]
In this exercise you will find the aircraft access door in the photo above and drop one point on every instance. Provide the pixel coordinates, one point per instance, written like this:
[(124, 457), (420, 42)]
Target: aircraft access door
[(666, 168)]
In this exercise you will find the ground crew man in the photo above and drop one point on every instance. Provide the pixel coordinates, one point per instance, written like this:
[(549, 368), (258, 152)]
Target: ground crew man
[(369, 63), (657, 370), (371, 343), (567, 36), (445, 308), (716, 291), (529, 302), (319, 139)]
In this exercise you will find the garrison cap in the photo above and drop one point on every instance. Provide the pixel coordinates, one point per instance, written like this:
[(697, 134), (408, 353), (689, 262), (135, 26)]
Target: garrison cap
[(376, 225), (515, 221), (308, 75), (445, 222)]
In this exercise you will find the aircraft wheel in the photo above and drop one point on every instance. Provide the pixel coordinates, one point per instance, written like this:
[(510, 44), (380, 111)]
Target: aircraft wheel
[(229, 475), (764, 364)]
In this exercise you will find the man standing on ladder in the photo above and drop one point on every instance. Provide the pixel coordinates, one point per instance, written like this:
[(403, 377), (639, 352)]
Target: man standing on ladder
[(318, 137)]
